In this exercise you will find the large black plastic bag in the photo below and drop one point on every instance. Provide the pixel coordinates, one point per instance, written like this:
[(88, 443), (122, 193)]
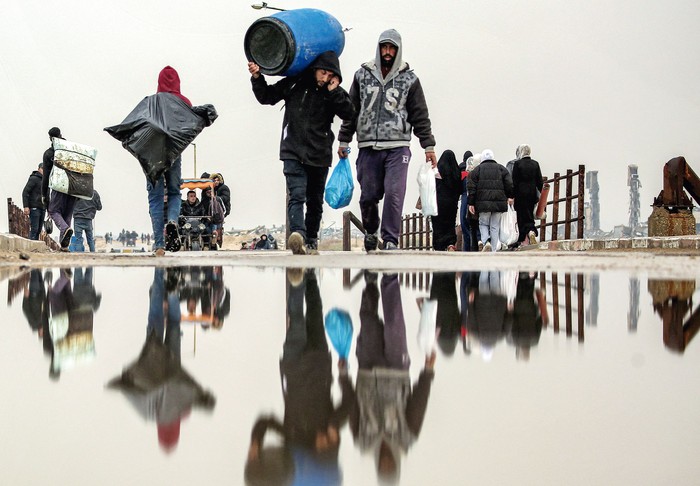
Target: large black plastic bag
[(159, 129)]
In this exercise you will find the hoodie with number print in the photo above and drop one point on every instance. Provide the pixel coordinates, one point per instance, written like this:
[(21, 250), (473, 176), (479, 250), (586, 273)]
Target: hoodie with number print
[(387, 108), (309, 111)]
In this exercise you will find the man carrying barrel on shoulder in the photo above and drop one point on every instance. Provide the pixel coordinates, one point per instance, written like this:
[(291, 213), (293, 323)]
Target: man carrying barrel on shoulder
[(312, 99)]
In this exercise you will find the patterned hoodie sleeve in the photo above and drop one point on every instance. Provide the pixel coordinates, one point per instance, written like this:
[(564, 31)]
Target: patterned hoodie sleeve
[(418, 117)]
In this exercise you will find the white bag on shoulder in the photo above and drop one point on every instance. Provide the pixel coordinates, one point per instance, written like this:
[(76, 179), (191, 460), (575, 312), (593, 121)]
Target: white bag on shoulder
[(428, 192), (509, 226)]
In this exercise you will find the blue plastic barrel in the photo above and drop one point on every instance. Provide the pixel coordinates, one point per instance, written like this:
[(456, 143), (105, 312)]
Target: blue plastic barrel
[(286, 43)]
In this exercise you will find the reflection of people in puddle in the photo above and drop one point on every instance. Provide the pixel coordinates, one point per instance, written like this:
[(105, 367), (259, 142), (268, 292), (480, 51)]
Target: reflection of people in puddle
[(204, 286), (310, 429), (488, 319), (34, 302), (444, 291), (526, 319), (70, 320), (388, 413), (156, 384)]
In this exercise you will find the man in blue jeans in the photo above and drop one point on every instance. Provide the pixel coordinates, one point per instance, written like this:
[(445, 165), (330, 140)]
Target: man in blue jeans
[(83, 215), (33, 205)]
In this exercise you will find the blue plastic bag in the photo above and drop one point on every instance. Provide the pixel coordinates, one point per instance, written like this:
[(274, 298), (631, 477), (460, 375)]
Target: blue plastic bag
[(339, 328), (340, 185)]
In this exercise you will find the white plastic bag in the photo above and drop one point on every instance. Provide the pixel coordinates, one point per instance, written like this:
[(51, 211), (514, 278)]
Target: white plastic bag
[(509, 285), (428, 192), (509, 227), (427, 335)]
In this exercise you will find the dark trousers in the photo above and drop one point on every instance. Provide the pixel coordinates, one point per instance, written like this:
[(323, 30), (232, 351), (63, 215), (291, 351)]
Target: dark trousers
[(36, 220), (61, 210), (382, 174), (382, 344), (305, 185), (305, 333), (524, 210), (444, 233)]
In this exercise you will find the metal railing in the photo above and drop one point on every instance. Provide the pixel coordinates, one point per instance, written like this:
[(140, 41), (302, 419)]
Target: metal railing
[(555, 222), (18, 224)]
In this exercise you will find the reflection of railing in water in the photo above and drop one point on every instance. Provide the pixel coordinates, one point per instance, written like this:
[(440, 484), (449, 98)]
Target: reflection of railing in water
[(569, 289)]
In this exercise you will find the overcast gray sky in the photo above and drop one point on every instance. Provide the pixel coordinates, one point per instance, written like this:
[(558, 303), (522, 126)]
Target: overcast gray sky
[(604, 83)]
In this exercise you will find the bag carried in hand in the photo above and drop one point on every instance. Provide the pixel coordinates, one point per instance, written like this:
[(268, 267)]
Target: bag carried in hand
[(427, 326), (48, 225), (73, 164), (339, 328), (340, 185), (509, 227), (428, 191)]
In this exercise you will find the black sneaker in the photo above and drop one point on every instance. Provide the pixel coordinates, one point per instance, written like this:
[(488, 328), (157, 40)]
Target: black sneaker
[(65, 239), (370, 242), (312, 247), (172, 237)]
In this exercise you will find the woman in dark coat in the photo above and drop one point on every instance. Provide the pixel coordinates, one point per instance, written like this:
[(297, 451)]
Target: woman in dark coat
[(527, 184), (449, 189)]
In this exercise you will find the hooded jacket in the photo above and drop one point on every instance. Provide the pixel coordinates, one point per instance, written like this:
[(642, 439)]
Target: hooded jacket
[(489, 187), (309, 111), (169, 82), (223, 191), (387, 108), (87, 208), (31, 194)]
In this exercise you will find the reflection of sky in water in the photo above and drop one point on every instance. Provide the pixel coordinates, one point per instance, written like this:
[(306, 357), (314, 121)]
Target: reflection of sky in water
[(531, 385)]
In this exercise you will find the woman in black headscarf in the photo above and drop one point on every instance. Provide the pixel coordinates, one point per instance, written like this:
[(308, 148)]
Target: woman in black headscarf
[(449, 188)]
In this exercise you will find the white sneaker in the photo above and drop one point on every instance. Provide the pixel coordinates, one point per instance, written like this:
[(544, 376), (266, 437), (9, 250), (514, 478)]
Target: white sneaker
[(487, 246)]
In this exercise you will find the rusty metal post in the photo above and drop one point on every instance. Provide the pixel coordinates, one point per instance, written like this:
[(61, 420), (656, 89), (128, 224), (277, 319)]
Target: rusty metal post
[(543, 222), (579, 291), (567, 300), (581, 202), (347, 241), (420, 232), (428, 234), (567, 224), (555, 208), (555, 300)]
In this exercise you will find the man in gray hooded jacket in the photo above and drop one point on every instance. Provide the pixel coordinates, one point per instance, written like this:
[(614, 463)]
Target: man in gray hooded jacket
[(389, 102)]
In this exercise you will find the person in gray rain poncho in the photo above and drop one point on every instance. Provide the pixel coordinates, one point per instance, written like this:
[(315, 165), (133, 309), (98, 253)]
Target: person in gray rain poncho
[(156, 384), (156, 132)]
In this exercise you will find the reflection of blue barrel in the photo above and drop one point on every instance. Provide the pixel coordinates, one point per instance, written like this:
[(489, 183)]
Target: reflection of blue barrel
[(285, 43)]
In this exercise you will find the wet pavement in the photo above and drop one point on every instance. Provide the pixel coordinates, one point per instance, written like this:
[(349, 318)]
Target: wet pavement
[(279, 375)]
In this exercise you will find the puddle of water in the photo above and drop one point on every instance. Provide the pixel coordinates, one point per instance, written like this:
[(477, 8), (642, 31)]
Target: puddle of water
[(344, 376)]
